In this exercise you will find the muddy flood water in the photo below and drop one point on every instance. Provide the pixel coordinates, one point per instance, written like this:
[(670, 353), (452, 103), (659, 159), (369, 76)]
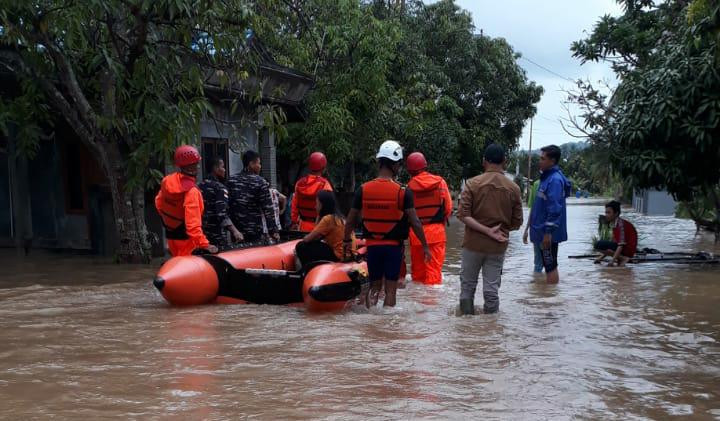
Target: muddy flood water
[(82, 338)]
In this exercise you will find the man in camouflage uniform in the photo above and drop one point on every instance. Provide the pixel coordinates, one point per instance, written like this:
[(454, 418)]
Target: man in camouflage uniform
[(250, 200), (216, 221)]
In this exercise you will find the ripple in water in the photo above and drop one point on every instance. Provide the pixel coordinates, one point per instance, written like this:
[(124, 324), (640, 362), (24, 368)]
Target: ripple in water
[(85, 338)]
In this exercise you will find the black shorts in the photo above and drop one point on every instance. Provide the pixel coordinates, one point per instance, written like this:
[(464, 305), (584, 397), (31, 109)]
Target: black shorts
[(383, 262), (549, 258)]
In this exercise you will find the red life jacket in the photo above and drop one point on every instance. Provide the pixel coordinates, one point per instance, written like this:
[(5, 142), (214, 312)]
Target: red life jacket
[(429, 201), (383, 212), (171, 208), (306, 190), (625, 233)]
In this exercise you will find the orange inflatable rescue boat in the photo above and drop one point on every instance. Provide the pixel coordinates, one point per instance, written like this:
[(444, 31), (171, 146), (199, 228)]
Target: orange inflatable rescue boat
[(261, 275)]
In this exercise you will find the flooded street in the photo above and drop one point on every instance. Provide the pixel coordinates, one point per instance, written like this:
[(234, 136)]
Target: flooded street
[(88, 339)]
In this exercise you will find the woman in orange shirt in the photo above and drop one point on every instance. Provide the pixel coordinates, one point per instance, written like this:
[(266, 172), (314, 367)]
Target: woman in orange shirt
[(325, 241)]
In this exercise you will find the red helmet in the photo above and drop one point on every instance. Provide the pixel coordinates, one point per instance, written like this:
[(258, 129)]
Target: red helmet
[(317, 161), (416, 162), (186, 155)]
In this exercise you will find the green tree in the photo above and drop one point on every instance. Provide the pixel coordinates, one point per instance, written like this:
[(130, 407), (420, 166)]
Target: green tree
[(128, 76), (348, 50), (667, 107), (402, 70), (471, 80)]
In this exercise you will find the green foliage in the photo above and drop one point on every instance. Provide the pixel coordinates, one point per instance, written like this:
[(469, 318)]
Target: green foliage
[(666, 109), (417, 74), (700, 208), (20, 117), (627, 41), (128, 74), (129, 78), (588, 166), (521, 158), (474, 80), (348, 50)]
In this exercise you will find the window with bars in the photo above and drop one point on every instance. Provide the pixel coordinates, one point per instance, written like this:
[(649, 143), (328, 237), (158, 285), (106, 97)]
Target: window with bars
[(213, 148)]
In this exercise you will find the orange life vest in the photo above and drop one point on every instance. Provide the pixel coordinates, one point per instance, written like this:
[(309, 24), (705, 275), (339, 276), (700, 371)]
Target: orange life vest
[(382, 210), (171, 207), (306, 193), (429, 202)]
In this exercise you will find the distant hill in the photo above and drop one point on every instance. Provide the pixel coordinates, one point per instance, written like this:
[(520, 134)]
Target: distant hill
[(565, 147), (574, 146)]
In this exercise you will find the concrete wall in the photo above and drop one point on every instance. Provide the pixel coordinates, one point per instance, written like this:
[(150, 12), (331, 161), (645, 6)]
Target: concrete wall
[(660, 203), (239, 140), (654, 202), (41, 193), (248, 139), (268, 156), (5, 204), (638, 201), (52, 225)]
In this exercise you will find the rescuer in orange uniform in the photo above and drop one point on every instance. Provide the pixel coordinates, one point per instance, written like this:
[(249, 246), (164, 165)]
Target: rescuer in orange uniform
[(388, 212), (303, 214), (433, 205), (180, 205)]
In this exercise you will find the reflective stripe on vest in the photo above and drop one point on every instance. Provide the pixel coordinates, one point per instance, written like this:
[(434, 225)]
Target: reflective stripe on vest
[(172, 214), (429, 203), (382, 210), (306, 194)]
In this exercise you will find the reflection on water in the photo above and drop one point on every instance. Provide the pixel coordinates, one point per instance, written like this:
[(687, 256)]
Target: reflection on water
[(82, 338)]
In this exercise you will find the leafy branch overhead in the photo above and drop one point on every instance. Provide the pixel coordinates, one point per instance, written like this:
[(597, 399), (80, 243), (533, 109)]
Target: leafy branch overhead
[(419, 74), (134, 78), (128, 78), (662, 123)]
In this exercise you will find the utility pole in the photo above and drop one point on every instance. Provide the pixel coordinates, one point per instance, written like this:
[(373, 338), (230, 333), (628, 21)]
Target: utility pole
[(527, 190)]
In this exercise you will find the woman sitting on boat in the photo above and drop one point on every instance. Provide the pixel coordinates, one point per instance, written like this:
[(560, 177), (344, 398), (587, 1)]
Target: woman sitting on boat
[(324, 242), (624, 243)]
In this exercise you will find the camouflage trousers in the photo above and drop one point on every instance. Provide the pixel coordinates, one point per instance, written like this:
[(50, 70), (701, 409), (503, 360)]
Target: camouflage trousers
[(219, 238)]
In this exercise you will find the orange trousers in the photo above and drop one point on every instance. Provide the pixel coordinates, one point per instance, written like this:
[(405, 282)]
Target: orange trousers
[(428, 272), (181, 247)]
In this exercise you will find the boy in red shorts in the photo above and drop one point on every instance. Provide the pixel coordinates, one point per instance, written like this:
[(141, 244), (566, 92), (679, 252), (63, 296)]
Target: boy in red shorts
[(624, 243)]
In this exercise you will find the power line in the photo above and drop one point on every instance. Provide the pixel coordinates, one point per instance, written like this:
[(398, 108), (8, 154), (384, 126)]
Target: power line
[(549, 119), (547, 70)]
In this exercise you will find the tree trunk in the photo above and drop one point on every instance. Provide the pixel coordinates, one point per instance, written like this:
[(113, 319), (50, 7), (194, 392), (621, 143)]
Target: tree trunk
[(352, 175), (716, 200), (128, 206), (129, 210)]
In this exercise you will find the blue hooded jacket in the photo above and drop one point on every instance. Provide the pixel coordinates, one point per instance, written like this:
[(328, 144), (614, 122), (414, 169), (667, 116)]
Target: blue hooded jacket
[(548, 211)]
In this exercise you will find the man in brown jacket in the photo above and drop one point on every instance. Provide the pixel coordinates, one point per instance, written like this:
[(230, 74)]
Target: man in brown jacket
[(490, 207)]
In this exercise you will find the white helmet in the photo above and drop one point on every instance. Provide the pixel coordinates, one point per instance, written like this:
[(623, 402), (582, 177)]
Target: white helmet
[(391, 150)]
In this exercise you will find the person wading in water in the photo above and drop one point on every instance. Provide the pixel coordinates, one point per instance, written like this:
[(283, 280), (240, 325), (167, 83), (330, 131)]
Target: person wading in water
[(387, 212)]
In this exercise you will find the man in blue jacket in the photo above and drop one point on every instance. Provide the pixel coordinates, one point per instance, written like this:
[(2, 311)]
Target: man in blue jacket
[(548, 223)]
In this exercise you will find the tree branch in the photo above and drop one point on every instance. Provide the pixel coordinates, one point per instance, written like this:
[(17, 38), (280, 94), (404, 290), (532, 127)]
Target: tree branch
[(67, 77), (136, 50), (301, 16), (53, 94)]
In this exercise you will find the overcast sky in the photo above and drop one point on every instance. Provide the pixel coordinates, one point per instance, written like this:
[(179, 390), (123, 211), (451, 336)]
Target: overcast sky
[(542, 32)]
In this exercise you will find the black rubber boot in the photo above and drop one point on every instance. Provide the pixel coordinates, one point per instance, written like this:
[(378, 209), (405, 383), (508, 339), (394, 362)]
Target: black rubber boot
[(467, 306)]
